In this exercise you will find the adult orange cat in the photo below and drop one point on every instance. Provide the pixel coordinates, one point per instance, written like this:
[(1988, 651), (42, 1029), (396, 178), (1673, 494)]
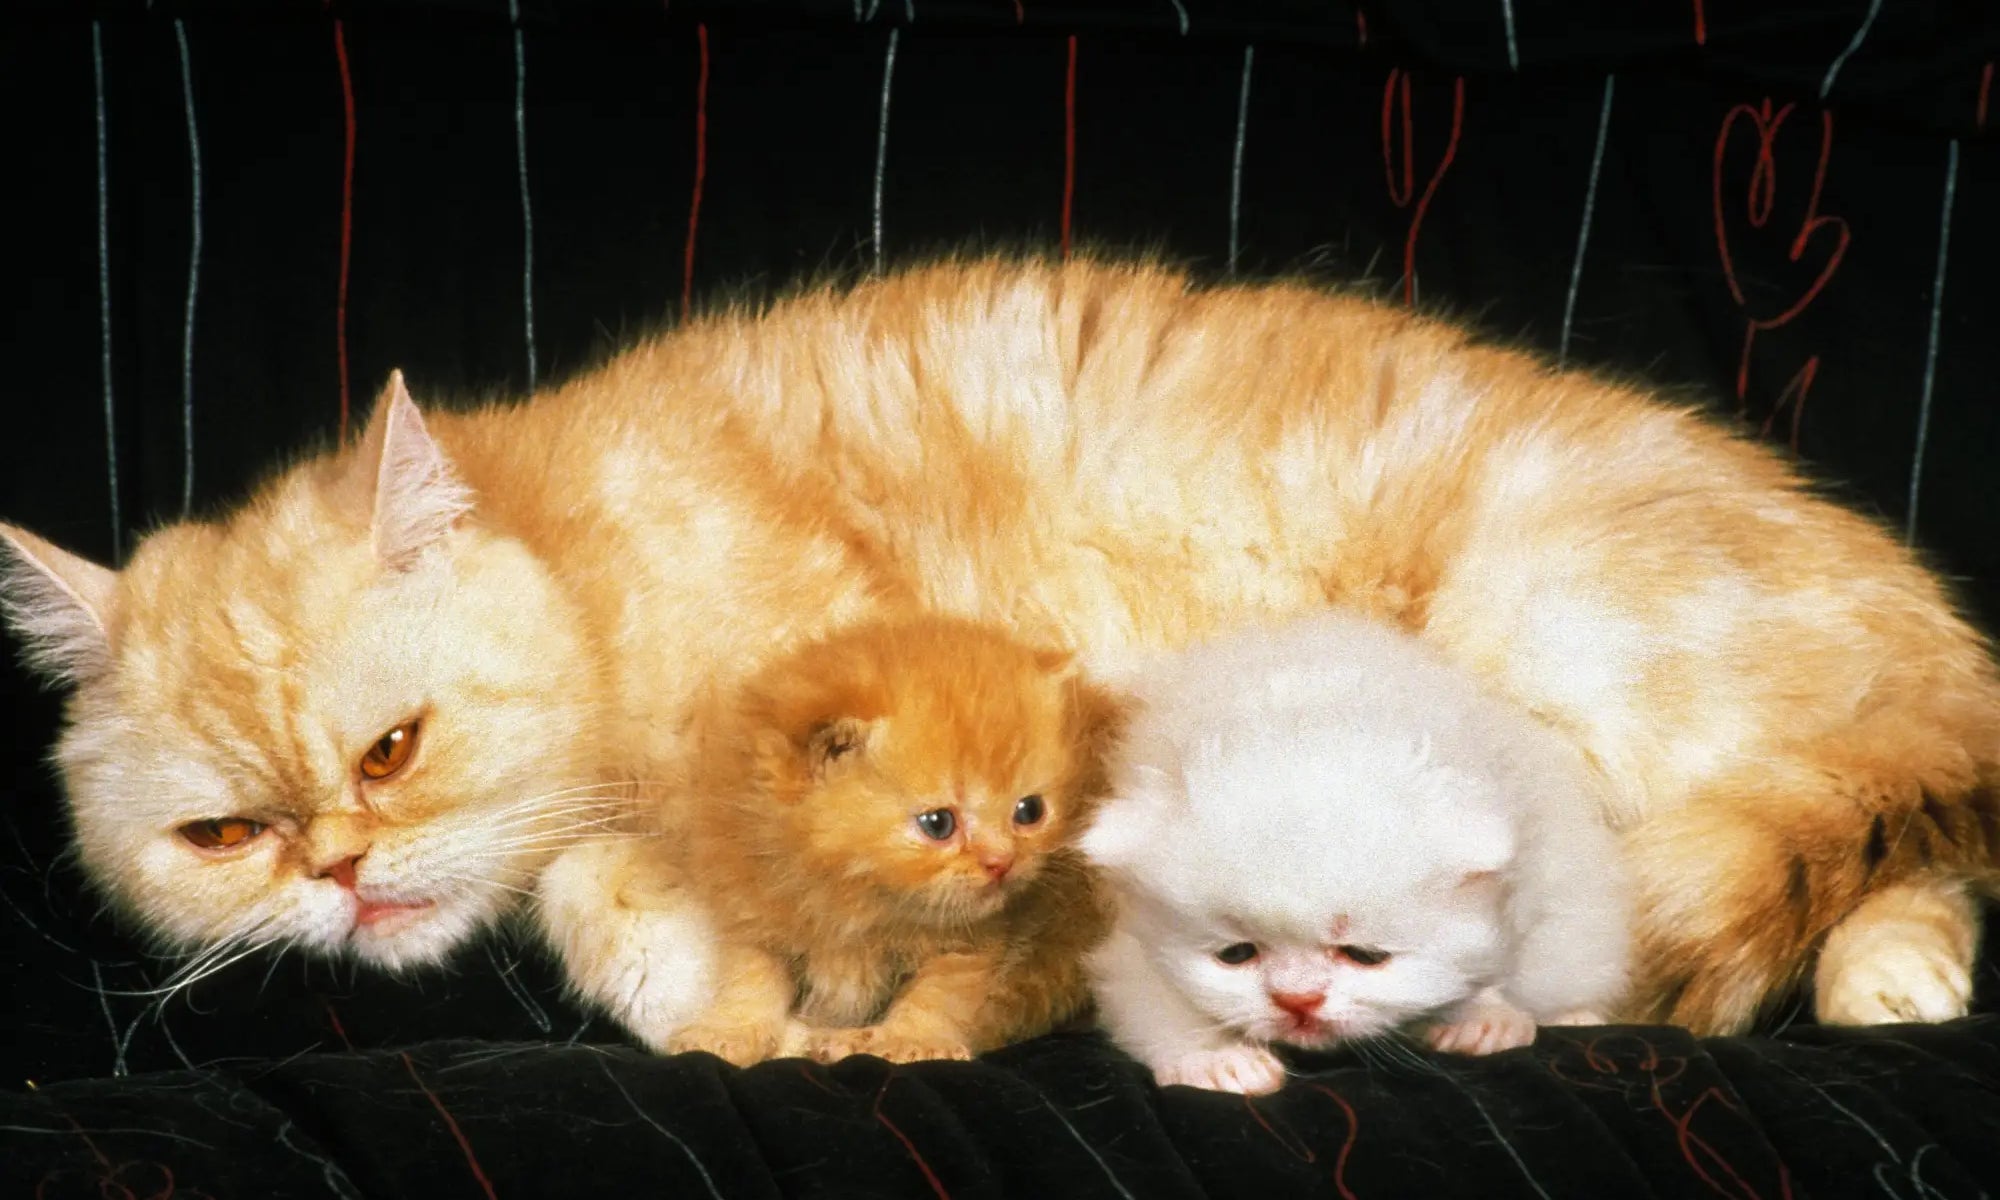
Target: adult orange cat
[(367, 708)]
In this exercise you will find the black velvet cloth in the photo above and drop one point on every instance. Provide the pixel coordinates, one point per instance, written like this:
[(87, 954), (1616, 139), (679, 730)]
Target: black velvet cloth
[(228, 221)]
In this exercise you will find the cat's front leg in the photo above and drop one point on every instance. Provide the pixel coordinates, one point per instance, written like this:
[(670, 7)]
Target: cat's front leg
[(630, 942), (1150, 1019), (927, 1020), (749, 1018), (1486, 1024)]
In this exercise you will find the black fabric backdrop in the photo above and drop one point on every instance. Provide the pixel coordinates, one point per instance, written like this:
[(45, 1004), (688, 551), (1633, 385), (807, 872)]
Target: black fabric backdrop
[(232, 219)]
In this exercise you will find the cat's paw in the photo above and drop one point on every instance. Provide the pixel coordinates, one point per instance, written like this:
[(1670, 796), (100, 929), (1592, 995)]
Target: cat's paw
[(1578, 1016), (832, 1045), (742, 1045), (1482, 1027), (1881, 977), (1247, 1070), (1904, 954)]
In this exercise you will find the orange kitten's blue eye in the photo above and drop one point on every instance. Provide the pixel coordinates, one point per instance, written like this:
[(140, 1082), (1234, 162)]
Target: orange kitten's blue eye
[(937, 824), (1028, 810), (1362, 956), (1236, 955)]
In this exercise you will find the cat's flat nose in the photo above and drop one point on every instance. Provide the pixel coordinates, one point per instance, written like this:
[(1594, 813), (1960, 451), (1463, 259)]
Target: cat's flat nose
[(997, 866), (341, 871), (1303, 1005)]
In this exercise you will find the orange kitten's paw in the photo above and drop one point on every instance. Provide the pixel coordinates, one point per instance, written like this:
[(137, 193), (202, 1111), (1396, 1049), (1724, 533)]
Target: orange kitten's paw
[(743, 1045), (832, 1045), (1247, 1070), (1485, 1026)]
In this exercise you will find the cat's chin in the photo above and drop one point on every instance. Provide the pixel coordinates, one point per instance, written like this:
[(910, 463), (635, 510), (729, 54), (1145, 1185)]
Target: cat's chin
[(400, 937)]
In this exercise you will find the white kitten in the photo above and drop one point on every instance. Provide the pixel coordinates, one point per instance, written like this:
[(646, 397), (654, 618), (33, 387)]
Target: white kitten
[(1326, 832)]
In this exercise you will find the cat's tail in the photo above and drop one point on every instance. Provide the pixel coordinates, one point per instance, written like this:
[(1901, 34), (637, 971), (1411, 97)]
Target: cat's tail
[(1863, 869)]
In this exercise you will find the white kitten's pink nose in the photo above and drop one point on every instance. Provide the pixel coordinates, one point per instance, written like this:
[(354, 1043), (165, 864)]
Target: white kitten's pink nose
[(1304, 1006), (341, 871)]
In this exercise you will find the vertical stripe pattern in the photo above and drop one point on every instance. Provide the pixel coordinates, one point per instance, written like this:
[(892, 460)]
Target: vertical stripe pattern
[(194, 270), (1931, 349), (1583, 229), (104, 291), (882, 145), (1236, 165), (527, 208)]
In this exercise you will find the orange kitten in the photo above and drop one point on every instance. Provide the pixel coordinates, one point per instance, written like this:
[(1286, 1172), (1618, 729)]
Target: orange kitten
[(881, 827)]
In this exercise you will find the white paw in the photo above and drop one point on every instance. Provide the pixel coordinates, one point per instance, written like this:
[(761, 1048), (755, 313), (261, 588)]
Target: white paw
[(1891, 973), (1485, 1026), (1578, 1016), (1249, 1070)]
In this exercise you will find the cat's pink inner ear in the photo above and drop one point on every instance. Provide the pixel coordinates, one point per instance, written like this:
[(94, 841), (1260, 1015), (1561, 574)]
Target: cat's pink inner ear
[(412, 495), (59, 604), (1060, 663), (835, 744), (1479, 885)]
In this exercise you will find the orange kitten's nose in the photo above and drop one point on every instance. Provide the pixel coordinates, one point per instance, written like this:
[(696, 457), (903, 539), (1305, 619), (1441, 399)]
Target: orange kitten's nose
[(341, 872), (997, 865), (1302, 1005)]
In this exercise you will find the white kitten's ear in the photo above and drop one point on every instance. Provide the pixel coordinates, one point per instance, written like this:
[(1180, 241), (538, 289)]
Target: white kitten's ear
[(412, 496), (1121, 828), (59, 604), (1481, 887), (837, 744)]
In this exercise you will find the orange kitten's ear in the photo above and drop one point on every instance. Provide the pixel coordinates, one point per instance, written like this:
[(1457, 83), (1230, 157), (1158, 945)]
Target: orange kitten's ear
[(402, 477), (835, 744), (1060, 663), (59, 605)]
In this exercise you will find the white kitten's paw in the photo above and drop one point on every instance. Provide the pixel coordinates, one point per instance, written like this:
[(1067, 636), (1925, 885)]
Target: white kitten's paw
[(1249, 1070), (1484, 1026), (1882, 975)]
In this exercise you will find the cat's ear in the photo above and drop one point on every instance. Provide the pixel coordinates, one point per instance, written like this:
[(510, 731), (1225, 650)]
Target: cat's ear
[(1060, 663), (59, 605), (401, 476), (836, 744), (1480, 886), (1121, 828)]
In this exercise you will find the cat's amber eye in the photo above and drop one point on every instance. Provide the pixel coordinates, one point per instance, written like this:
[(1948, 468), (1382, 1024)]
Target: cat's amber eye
[(390, 751), (221, 833), (1028, 810), (1237, 954), (937, 824), (1362, 956)]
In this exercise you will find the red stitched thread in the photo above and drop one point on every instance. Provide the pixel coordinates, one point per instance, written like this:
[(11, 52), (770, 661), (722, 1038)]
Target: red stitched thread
[(471, 1159), (700, 171)]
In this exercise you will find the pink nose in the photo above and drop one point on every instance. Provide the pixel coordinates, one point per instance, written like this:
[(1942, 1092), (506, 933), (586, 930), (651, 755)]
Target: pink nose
[(1303, 1005), (341, 872), (997, 868)]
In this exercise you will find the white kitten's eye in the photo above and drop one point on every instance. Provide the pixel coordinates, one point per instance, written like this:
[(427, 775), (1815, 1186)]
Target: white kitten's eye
[(1236, 954), (937, 824), (1362, 956), (1028, 810), (224, 833)]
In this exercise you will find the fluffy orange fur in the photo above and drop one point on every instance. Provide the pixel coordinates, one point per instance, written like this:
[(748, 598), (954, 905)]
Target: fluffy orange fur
[(800, 832), (1801, 737)]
